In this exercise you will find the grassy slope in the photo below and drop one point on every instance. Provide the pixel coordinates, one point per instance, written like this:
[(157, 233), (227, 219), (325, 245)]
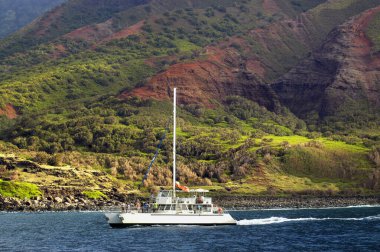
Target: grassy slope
[(277, 164), (285, 49), (41, 89), (68, 17), (18, 189), (327, 16), (301, 170)]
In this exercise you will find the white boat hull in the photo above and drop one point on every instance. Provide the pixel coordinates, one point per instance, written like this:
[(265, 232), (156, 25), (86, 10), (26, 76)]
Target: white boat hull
[(149, 219)]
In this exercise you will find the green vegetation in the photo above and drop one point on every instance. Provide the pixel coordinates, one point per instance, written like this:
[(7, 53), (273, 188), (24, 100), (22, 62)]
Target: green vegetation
[(70, 16), (94, 194), (242, 142), (35, 74), (18, 189)]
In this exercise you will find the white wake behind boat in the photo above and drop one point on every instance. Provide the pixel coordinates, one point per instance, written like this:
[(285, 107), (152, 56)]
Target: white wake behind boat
[(172, 207)]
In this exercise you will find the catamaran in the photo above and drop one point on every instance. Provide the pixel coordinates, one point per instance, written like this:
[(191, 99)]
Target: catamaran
[(173, 207)]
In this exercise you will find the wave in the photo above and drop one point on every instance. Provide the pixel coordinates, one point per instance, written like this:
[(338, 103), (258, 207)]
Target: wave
[(302, 208), (275, 220), (271, 220), (365, 206)]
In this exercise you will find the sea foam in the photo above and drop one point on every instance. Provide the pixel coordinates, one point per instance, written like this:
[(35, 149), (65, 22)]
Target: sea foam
[(275, 220)]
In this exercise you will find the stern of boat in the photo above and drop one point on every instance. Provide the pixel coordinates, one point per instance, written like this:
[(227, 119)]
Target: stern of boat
[(229, 220)]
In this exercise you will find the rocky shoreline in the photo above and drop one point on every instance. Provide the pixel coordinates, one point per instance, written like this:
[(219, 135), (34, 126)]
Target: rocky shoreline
[(252, 202), (72, 203)]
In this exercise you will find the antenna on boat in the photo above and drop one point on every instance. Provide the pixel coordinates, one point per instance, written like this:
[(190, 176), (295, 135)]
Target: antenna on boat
[(174, 138)]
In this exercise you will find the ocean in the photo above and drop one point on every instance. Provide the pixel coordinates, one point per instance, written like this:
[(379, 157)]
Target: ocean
[(329, 229)]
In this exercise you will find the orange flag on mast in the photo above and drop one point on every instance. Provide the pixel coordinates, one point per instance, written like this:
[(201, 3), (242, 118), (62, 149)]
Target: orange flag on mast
[(183, 188)]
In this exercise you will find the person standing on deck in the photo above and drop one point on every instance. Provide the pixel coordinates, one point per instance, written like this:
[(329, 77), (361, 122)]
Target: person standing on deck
[(138, 205)]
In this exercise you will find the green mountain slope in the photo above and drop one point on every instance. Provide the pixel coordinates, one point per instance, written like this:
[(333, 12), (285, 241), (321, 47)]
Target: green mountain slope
[(48, 55), (90, 84)]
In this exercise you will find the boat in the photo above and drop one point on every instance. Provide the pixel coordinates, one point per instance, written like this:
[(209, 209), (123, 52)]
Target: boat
[(179, 206)]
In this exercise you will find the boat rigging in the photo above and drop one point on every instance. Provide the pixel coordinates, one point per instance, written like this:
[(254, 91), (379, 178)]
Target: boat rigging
[(170, 207)]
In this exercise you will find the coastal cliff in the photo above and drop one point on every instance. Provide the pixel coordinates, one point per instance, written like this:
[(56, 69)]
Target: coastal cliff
[(340, 78)]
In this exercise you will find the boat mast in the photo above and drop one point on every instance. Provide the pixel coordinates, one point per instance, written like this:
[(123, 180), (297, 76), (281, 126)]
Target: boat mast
[(174, 138)]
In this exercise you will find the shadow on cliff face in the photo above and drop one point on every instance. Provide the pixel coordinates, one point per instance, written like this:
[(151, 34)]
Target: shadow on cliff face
[(338, 79), (303, 89)]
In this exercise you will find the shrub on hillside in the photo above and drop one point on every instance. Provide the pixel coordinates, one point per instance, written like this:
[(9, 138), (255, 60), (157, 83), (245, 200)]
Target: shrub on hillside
[(374, 156), (41, 158)]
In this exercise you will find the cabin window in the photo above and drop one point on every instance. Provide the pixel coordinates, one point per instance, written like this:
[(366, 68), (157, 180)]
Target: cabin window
[(165, 194), (183, 207)]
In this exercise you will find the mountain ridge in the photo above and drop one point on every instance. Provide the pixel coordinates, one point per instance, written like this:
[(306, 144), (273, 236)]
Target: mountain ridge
[(346, 60), (18, 13)]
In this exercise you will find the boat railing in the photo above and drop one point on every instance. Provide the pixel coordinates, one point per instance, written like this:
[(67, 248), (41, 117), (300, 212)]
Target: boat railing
[(190, 200), (164, 200), (137, 210), (207, 200), (184, 207)]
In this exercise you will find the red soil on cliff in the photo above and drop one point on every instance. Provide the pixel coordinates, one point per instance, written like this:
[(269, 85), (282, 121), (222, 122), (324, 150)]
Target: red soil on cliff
[(59, 50), (208, 81), (9, 111), (198, 82), (342, 72), (92, 32), (103, 32), (201, 82), (270, 7), (228, 70), (361, 58), (46, 21), (128, 31)]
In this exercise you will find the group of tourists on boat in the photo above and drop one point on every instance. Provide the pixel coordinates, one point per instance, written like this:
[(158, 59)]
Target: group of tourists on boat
[(141, 207)]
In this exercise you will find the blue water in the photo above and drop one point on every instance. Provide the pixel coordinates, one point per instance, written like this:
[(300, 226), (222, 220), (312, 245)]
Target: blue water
[(337, 229)]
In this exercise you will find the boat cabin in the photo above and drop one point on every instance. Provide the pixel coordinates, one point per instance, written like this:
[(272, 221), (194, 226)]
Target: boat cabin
[(193, 202)]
